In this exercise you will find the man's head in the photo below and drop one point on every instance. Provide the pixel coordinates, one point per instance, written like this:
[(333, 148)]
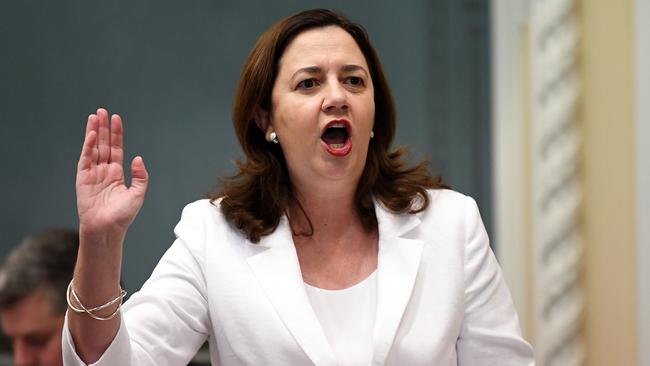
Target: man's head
[(33, 281)]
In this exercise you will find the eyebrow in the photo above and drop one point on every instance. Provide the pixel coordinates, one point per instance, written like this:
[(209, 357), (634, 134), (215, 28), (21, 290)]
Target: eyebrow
[(352, 68), (312, 70)]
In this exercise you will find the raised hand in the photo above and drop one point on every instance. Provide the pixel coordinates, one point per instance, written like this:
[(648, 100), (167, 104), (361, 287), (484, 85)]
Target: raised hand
[(105, 204)]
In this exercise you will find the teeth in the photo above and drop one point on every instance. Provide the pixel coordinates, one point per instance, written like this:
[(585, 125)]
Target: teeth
[(337, 146), (337, 125)]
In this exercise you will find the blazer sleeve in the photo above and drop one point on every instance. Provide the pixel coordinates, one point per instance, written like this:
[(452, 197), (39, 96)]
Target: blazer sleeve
[(490, 333), (167, 321)]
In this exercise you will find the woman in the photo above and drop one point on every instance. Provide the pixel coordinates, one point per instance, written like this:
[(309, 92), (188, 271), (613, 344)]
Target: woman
[(325, 249)]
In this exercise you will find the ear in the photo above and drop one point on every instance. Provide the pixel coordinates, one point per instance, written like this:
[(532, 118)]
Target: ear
[(262, 119)]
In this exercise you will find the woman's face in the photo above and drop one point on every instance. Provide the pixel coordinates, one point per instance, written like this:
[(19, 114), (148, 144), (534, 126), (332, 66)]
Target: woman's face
[(323, 109)]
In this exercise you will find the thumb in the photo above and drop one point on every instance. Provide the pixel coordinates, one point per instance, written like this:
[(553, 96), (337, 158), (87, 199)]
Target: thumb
[(139, 175)]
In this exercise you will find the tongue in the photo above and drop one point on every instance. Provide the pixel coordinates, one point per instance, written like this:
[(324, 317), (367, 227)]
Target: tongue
[(335, 136)]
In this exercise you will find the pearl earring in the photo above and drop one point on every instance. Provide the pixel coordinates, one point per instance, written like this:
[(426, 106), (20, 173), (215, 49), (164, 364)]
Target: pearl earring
[(272, 137), (372, 134)]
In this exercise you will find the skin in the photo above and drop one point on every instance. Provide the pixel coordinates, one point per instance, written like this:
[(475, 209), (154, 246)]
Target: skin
[(106, 208), (35, 331), (338, 255), (324, 76), (303, 102)]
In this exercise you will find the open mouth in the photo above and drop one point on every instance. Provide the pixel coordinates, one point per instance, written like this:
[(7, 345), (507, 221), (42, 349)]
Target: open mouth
[(336, 137)]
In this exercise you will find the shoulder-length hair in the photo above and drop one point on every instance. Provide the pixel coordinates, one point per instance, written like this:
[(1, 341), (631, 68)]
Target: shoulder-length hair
[(254, 199)]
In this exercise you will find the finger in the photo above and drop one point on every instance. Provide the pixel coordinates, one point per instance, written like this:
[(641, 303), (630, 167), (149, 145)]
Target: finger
[(89, 152), (92, 123), (89, 147), (103, 136), (117, 133), (139, 176)]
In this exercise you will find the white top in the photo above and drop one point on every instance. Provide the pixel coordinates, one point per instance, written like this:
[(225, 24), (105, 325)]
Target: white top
[(441, 297), (348, 318)]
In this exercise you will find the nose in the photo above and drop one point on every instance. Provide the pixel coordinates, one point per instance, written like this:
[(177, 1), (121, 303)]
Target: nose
[(23, 355), (335, 98)]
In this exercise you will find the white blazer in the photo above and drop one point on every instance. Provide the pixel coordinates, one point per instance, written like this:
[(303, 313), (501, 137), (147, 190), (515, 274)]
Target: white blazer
[(441, 298)]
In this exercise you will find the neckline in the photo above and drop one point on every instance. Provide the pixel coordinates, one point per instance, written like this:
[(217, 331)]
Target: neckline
[(340, 291)]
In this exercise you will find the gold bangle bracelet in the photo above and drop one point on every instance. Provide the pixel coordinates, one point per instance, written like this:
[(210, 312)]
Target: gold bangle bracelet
[(91, 312)]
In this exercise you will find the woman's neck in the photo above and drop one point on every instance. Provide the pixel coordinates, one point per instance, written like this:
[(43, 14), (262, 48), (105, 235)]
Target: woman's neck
[(331, 214), (334, 249)]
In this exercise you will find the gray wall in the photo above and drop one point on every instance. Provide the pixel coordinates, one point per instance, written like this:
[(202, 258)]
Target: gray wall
[(170, 68)]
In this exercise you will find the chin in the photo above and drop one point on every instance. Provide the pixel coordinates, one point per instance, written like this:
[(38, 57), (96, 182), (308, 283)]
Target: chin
[(342, 170)]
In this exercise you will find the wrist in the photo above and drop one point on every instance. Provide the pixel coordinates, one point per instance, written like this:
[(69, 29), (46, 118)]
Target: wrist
[(101, 237)]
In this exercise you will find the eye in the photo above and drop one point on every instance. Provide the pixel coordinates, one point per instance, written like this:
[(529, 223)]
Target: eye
[(37, 341), (354, 81), (307, 84)]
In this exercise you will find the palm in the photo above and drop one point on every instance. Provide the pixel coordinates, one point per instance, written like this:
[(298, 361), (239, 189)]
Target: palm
[(104, 202)]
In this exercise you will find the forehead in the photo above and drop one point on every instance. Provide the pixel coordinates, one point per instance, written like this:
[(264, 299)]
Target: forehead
[(322, 47), (31, 314)]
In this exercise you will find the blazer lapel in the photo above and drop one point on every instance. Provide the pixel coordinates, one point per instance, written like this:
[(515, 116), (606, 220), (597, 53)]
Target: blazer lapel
[(278, 272), (397, 268)]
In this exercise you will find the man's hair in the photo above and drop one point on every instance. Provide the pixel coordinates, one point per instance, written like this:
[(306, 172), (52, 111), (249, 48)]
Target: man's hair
[(43, 261)]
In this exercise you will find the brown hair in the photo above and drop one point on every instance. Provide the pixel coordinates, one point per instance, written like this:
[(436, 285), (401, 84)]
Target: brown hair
[(256, 197), (43, 261)]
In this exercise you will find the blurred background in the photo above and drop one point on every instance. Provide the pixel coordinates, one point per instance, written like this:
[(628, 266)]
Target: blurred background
[(538, 109)]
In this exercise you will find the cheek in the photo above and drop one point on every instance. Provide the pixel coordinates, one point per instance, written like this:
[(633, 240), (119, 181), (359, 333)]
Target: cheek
[(371, 109), (296, 123), (366, 115), (52, 355)]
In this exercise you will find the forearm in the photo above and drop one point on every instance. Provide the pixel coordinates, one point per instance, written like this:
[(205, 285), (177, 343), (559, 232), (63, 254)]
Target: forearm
[(106, 208), (96, 281)]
